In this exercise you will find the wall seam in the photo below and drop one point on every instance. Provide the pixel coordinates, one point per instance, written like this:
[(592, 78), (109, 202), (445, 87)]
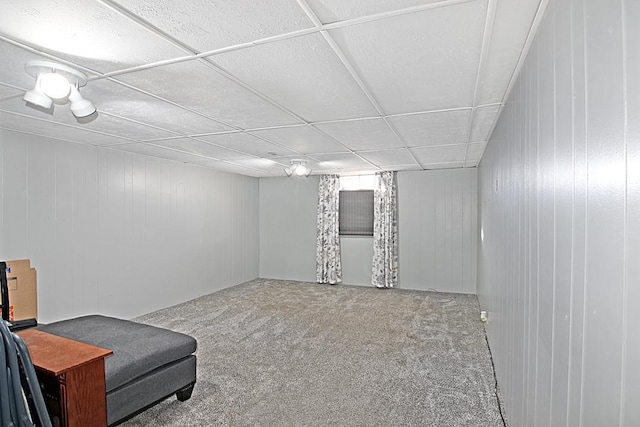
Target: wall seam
[(625, 284)]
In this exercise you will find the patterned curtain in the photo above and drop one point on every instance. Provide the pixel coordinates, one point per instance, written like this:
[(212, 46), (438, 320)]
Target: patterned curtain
[(328, 264), (385, 232)]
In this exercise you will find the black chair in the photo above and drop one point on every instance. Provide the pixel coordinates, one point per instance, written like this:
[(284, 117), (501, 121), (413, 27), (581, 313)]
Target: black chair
[(22, 403)]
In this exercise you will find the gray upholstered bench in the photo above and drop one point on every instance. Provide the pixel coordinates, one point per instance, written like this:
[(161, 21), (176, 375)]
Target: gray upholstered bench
[(148, 363)]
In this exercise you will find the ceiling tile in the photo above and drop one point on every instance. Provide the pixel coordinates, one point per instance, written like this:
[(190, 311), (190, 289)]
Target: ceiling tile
[(302, 74), (368, 134), (198, 23), (198, 86), (475, 151), (387, 158), (202, 148), (232, 167), (512, 24), (346, 162), (422, 61), (483, 119), (163, 153), (12, 70), (442, 154), (339, 10), (246, 143), (120, 100), (9, 92), (47, 127), (261, 164), (302, 139), (439, 128), (85, 32)]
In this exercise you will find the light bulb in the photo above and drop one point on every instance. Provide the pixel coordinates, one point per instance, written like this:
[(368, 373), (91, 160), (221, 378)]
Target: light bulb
[(55, 86), (301, 170)]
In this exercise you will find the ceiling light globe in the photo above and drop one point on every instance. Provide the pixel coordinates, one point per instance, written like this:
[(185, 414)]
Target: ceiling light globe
[(301, 170), (55, 86)]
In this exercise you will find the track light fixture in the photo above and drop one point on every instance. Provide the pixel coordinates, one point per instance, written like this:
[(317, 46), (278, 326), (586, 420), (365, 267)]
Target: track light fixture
[(298, 168), (59, 83)]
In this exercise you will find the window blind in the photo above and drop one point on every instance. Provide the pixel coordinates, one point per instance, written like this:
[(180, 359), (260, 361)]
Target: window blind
[(356, 213)]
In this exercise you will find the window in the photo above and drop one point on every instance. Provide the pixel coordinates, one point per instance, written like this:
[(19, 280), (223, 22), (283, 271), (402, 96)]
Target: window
[(356, 205)]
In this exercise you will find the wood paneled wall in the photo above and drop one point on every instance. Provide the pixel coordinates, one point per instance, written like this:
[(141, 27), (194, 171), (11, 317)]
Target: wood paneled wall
[(560, 215), (437, 222), (119, 233)]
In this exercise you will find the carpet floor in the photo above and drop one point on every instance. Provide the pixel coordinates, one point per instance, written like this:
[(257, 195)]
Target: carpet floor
[(283, 353)]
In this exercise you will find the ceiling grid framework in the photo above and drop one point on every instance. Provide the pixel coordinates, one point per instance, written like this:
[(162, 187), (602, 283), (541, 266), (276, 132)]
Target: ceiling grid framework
[(245, 86)]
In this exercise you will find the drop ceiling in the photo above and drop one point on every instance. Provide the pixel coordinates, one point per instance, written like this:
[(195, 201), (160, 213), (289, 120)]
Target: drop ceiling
[(244, 86)]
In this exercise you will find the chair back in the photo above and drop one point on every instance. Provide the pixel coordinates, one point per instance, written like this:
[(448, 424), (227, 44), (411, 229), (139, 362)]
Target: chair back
[(21, 403)]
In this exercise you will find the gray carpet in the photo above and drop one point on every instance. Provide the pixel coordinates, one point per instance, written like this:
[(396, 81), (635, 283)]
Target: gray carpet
[(282, 353)]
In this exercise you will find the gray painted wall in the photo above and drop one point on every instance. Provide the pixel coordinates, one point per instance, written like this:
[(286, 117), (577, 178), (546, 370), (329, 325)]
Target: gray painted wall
[(288, 228), (437, 222), (437, 231), (560, 213), (119, 233), (357, 259)]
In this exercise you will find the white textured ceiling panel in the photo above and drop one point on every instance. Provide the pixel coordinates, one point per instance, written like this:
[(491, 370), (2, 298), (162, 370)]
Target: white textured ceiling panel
[(422, 61), (387, 158), (198, 24), (483, 119), (512, 24), (342, 163), (232, 167), (12, 71), (246, 143), (351, 86), (339, 10), (302, 74), (266, 165), (50, 128), (149, 150), (372, 134), (438, 128), (195, 146), (302, 139), (83, 31), (475, 151), (120, 100), (7, 91), (201, 88), (443, 154)]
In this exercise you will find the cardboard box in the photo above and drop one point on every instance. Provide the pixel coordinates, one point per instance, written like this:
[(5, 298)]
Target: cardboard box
[(23, 295)]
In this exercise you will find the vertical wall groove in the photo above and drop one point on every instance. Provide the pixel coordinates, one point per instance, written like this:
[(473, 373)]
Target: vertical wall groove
[(625, 289)]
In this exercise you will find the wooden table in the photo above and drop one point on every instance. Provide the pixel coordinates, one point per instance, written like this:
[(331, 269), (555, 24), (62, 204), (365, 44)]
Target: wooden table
[(71, 375)]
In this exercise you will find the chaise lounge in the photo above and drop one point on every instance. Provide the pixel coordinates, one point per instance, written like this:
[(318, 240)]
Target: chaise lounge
[(148, 363)]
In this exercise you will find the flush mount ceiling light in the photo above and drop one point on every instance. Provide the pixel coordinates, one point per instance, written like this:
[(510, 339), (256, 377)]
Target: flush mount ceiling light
[(56, 82), (298, 168)]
